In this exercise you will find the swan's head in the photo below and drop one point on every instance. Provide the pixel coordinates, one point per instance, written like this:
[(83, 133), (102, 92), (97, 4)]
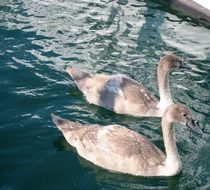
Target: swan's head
[(170, 62), (178, 113)]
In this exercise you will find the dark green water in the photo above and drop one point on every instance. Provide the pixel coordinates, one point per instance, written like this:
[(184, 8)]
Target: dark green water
[(39, 38)]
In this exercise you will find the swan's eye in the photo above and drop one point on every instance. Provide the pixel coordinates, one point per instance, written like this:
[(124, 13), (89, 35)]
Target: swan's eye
[(184, 114)]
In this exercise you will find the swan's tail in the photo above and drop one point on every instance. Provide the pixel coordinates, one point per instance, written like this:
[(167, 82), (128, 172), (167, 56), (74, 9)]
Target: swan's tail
[(76, 74), (60, 123), (65, 125)]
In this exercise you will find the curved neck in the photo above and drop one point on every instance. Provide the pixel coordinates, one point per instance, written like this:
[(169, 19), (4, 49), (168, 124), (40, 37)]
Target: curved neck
[(169, 138), (163, 85)]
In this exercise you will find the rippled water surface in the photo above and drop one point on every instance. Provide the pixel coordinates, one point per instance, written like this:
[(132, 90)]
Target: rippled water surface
[(39, 38)]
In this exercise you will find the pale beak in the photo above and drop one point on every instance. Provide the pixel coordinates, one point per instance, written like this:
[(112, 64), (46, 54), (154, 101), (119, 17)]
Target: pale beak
[(183, 65), (192, 124)]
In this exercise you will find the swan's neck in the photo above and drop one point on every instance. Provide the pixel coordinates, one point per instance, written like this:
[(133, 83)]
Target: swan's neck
[(164, 91), (173, 162)]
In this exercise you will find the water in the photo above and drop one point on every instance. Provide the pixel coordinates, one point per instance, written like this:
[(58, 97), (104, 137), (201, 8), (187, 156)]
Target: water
[(39, 38)]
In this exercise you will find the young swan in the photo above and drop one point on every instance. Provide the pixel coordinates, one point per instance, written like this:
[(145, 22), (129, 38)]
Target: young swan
[(119, 149), (123, 95)]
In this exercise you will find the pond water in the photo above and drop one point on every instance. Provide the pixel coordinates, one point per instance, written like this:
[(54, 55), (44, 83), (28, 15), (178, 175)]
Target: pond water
[(39, 38)]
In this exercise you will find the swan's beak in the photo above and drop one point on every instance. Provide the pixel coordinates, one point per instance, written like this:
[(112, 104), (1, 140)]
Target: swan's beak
[(183, 65), (192, 124)]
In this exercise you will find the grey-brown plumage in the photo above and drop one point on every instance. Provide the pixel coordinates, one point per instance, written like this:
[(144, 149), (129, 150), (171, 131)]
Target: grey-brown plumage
[(119, 149), (124, 95)]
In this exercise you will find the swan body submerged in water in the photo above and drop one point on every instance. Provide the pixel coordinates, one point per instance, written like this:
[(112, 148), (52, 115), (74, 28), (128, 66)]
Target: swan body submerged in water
[(123, 95), (119, 149)]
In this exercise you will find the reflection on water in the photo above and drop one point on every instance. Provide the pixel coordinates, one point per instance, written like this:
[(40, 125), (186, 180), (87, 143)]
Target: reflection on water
[(38, 39)]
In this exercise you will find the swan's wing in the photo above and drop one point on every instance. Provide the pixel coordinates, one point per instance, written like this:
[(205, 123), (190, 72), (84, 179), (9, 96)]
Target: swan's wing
[(136, 92), (116, 142), (127, 143), (125, 88), (120, 149)]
